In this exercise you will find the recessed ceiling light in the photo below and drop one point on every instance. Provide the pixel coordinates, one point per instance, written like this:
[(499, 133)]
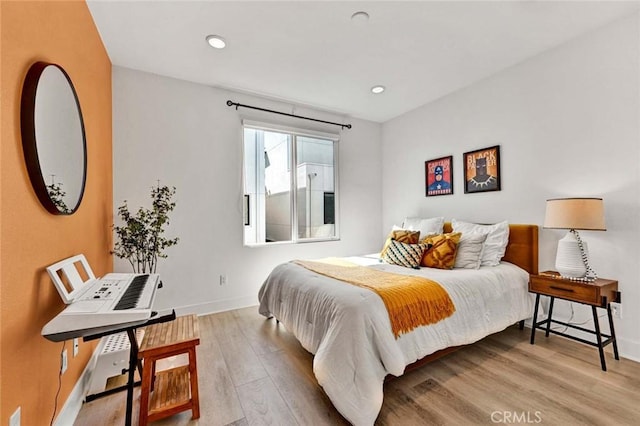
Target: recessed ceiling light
[(216, 41), (377, 89), (360, 17)]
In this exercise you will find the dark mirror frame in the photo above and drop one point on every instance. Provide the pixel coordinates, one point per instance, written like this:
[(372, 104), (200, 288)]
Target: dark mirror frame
[(29, 143)]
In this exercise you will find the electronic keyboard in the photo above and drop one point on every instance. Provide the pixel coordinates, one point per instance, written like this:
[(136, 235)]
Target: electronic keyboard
[(116, 299)]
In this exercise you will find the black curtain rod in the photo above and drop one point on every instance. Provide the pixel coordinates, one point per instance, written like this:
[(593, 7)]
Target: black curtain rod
[(237, 105)]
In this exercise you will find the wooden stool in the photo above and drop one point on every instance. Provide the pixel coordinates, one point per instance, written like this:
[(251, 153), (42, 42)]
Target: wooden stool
[(165, 393)]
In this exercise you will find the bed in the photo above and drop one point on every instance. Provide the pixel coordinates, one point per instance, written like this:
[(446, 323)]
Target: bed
[(348, 330)]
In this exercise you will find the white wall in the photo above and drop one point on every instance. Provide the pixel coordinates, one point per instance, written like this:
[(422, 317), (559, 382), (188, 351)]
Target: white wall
[(567, 122), (184, 135)]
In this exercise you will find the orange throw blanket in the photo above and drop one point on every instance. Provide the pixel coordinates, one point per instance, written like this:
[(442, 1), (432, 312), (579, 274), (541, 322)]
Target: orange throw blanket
[(411, 301)]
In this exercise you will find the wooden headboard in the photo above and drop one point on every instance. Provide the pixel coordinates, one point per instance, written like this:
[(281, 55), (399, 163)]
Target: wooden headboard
[(522, 249)]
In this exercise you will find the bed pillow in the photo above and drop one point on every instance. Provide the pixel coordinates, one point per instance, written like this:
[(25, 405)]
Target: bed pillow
[(401, 235), (442, 254), (426, 227), (469, 254), (496, 243), (408, 255)]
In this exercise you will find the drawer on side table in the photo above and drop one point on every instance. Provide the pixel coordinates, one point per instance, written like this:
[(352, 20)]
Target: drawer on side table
[(597, 293)]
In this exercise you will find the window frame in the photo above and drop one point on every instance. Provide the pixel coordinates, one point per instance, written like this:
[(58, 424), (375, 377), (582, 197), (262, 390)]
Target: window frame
[(294, 133)]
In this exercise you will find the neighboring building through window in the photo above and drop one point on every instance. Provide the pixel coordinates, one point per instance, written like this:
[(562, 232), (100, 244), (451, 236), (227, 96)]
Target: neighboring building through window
[(290, 179)]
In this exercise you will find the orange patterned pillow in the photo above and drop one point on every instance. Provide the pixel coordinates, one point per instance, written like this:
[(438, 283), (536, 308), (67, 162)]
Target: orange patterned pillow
[(442, 254), (402, 236)]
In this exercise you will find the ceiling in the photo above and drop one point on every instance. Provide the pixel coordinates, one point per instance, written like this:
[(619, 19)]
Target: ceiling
[(312, 53)]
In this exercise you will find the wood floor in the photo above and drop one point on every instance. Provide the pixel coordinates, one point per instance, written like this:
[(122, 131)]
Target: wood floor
[(253, 372)]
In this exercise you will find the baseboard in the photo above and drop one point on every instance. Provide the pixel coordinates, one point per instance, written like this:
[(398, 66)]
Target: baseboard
[(217, 306), (629, 349), (69, 411)]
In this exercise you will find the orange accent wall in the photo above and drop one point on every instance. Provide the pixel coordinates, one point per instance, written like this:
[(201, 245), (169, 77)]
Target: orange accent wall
[(30, 238)]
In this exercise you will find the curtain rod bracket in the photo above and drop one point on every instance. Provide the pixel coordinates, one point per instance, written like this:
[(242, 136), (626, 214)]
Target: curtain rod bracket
[(237, 105)]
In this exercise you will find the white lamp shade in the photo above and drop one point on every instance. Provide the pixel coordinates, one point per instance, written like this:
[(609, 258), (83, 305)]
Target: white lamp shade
[(575, 213)]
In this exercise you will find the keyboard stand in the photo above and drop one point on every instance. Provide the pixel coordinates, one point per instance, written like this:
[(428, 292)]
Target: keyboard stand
[(133, 354), (113, 352)]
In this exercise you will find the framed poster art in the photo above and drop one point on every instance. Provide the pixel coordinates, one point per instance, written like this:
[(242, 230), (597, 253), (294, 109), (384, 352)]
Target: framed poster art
[(439, 176), (482, 170)]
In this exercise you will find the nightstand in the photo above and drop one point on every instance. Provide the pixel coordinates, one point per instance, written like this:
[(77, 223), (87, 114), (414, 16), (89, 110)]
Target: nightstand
[(597, 294)]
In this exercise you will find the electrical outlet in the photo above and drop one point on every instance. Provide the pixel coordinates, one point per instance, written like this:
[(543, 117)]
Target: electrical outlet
[(14, 420), (76, 347), (223, 279), (616, 310), (63, 362)]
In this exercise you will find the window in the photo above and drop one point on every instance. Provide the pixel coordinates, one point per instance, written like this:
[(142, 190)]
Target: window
[(291, 185)]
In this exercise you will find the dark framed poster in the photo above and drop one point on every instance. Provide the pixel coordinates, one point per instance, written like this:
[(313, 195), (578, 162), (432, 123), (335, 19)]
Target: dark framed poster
[(439, 176), (482, 170)]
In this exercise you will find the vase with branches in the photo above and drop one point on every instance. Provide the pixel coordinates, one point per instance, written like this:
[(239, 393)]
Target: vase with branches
[(140, 238)]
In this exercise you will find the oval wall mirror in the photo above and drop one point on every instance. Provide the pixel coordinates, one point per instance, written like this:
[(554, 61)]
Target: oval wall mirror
[(53, 138)]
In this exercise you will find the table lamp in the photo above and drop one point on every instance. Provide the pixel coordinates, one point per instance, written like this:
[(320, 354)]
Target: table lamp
[(572, 258)]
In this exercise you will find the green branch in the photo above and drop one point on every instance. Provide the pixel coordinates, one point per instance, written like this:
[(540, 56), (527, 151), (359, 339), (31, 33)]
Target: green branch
[(140, 238)]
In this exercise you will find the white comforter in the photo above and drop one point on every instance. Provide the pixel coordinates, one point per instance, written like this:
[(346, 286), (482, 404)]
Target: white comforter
[(348, 328)]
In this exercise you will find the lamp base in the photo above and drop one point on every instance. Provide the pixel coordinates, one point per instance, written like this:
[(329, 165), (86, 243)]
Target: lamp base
[(569, 261)]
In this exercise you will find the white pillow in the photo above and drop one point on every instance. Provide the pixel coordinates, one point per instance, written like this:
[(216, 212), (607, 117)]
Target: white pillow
[(426, 227), (469, 253), (496, 243)]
